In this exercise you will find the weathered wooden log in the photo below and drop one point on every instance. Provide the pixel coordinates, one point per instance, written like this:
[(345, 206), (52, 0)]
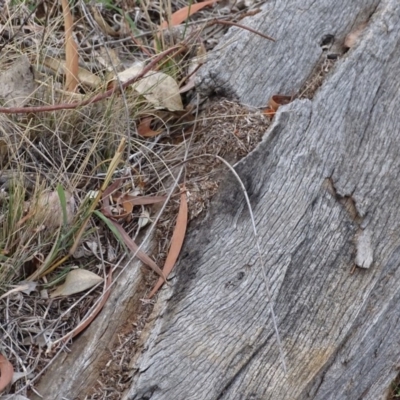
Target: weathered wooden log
[(324, 186)]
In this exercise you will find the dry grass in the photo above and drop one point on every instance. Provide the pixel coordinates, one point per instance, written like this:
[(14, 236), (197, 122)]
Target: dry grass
[(68, 153)]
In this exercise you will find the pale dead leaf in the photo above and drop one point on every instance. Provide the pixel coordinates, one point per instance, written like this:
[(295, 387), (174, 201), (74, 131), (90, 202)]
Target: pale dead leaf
[(158, 88), (48, 211), (77, 281), (17, 83), (83, 324), (144, 219), (26, 287)]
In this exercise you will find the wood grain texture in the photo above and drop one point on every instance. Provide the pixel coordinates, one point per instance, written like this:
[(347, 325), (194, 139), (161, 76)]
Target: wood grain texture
[(327, 169), (252, 69)]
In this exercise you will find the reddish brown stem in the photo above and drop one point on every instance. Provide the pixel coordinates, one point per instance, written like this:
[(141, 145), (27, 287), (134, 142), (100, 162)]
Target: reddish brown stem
[(222, 22)]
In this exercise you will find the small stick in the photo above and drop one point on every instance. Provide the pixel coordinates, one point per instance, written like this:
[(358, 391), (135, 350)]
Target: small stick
[(230, 23)]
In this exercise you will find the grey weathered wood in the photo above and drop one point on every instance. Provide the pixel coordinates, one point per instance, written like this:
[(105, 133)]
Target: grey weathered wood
[(327, 170), (252, 68)]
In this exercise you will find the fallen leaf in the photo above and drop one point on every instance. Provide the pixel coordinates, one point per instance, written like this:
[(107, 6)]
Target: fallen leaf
[(158, 88), (87, 321), (144, 128), (71, 50), (6, 372), (17, 83), (140, 254), (176, 241), (26, 287), (48, 210), (144, 219), (143, 200), (181, 15), (127, 201), (77, 281)]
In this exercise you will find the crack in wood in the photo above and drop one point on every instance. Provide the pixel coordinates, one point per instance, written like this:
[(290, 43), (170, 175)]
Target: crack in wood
[(346, 201)]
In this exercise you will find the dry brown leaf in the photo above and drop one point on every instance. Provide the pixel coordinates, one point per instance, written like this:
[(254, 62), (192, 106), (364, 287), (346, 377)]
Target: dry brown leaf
[(176, 241), (77, 281), (6, 372), (71, 50), (143, 200), (144, 128), (181, 15)]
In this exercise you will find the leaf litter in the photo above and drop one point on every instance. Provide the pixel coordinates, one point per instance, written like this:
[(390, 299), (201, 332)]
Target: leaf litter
[(68, 179)]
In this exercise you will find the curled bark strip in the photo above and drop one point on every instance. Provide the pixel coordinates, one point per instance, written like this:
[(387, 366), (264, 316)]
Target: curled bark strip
[(278, 100)]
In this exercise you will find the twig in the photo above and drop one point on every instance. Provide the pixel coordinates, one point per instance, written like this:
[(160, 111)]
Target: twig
[(230, 23)]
